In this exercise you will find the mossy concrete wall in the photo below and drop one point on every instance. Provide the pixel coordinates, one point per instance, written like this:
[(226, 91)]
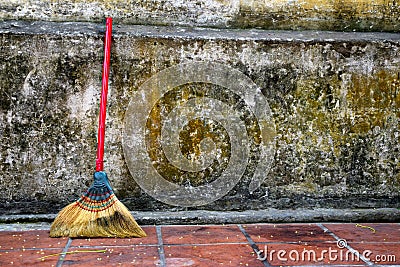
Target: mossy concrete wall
[(337, 15), (334, 101), (296, 104)]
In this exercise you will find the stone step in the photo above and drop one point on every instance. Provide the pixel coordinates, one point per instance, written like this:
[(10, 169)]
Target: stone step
[(42, 221), (228, 119)]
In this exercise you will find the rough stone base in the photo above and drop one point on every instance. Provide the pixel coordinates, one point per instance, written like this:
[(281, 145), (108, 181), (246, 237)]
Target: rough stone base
[(234, 217)]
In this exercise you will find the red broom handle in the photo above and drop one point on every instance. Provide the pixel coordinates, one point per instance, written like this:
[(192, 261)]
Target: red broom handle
[(103, 99)]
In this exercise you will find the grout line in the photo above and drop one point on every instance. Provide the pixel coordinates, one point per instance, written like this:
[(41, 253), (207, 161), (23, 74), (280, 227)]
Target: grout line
[(345, 245), (63, 253), (161, 252), (333, 265), (207, 244), (112, 246), (254, 246)]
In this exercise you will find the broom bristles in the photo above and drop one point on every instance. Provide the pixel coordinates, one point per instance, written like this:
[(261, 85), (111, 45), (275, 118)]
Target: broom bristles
[(98, 213)]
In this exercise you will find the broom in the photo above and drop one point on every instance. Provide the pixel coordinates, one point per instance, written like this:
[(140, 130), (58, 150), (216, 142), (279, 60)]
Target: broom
[(98, 213)]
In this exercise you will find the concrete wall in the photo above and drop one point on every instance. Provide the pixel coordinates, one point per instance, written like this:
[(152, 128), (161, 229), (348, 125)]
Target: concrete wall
[(337, 15), (321, 110)]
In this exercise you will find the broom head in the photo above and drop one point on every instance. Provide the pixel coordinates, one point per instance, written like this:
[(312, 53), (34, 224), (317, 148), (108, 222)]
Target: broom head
[(98, 213)]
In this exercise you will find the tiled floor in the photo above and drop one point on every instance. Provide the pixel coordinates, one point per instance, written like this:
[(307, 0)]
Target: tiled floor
[(213, 245)]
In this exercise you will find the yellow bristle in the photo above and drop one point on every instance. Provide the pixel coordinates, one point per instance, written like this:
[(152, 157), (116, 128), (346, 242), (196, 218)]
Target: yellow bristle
[(97, 213), (114, 221)]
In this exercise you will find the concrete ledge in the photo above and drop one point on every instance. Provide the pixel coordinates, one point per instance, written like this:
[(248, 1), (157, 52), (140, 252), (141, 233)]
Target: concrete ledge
[(88, 29), (232, 217)]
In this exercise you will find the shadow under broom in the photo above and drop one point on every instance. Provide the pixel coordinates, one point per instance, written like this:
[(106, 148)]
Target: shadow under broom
[(98, 213)]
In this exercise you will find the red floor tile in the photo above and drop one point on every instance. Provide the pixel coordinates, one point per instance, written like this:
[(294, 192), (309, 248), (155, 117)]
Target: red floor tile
[(150, 239), (209, 245), (388, 232), (114, 256), (29, 257), (312, 254), (30, 239), (202, 234), (295, 233), (211, 255), (380, 253)]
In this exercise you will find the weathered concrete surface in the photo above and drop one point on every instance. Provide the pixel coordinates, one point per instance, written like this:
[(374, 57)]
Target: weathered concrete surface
[(337, 15), (334, 98)]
